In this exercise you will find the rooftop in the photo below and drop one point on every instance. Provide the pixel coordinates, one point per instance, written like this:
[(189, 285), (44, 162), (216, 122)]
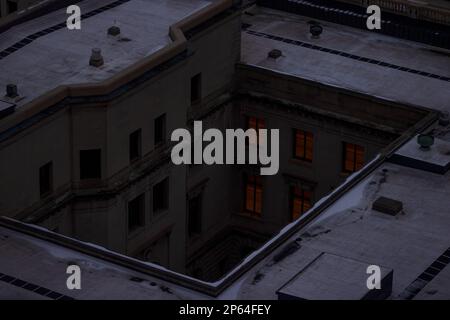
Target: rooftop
[(27, 261), (363, 61), (414, 243), (408, 243), (62, 57)]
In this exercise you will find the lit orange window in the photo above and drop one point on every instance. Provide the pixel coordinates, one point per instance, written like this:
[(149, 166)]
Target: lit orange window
[(257, 124), (253, 195), (353, 157), (300, 202), (303, 145)]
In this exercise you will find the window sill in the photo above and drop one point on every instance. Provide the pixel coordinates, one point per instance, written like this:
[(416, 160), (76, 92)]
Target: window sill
[(249, 215), (46, 195), (345, 174), (300, 162), (135, 232), (159, 214)]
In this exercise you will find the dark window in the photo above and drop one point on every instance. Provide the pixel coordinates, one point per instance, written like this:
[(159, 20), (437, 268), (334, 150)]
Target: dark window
[(135, 145), (303, 145), (161, 196), (300, 202), (46, 179), (160, 129), (12, 6), (353, 157), (196, 88), (195, 216), (253, 195), (90, 164), (136, 213)]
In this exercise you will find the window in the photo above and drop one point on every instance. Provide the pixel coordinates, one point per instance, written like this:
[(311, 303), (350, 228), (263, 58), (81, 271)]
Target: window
[(300, 201), (161, 196), (196, 88), (90, 164), (160, 129), (353, 157), (11, 6), (257, 124), (195, 216), (136, 213), (46, 179), (253, 195), (135, 145), (303, 145)]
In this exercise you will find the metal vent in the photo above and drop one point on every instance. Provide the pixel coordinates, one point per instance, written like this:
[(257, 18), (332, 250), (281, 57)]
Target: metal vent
[(114, 31), (12, 91), (96, 58), (275, 54), (389, 206), (33, 287), (425, 277)]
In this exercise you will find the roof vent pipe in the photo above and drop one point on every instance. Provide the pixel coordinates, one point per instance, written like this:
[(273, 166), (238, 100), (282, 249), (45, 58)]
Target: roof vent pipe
[(114, 31), (96, 58), (425, 141), (315, 30), (11, 91)]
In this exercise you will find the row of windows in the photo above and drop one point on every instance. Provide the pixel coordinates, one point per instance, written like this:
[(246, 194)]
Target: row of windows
[(300, 199), (135, 142), (303, 147), (91, 160), (136, 207), (353, 154)]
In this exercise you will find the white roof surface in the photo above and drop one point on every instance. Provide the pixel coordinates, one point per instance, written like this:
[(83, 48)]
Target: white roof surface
[(62, 57), (44, 264), (408, 243), (345, 72)]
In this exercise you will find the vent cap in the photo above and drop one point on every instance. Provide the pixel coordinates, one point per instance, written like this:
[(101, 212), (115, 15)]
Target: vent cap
[(12, 91), (425, 141), (114, 31), (275, 54), (315, 30), (96, 58), (388, 206)]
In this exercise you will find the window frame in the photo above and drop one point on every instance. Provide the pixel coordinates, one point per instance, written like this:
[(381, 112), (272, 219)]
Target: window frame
[(100, 169), (163, 134), (135, 151), (45, 193), (196, 88), (305, 145), (166, 190), (256, 183), (198, 229), (141, 214), (292, 197), (354, 157)]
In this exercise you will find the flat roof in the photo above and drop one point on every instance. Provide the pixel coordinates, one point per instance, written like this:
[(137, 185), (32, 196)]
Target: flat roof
[(330, 277), (62, 57), (28, 263), (408, 243), (358, 60)]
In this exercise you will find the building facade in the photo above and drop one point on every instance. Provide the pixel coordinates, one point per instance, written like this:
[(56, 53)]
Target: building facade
[(96, 166)]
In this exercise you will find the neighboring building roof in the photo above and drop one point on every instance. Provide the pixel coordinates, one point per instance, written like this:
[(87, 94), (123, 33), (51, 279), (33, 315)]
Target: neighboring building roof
[(408, 243), (35, 269), (414, 243), (62, 57), (338, 58)]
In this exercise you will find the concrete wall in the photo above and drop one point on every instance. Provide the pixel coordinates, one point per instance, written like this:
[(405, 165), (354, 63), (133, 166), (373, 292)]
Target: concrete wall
[(96, 211)]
